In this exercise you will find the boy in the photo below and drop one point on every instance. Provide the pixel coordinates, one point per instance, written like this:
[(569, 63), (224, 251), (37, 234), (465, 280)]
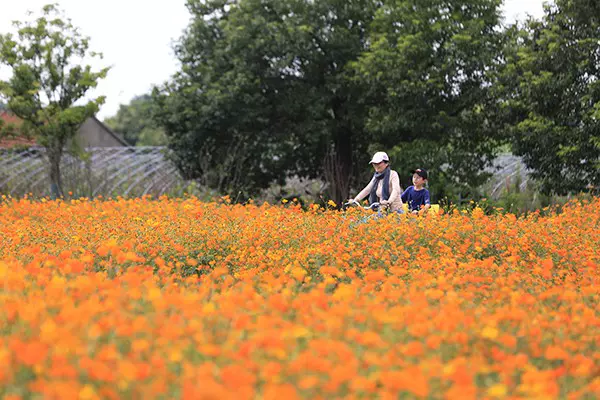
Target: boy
[(416, 196)]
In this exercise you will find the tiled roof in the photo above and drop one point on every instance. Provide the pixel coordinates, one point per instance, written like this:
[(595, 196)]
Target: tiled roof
[(11, 142)]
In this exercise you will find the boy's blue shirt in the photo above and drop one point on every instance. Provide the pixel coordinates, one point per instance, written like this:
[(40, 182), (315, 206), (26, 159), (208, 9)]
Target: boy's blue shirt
[(415, 198)]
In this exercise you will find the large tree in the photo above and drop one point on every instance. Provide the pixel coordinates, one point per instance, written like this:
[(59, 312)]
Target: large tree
[(275, 87), (549, 95), (264, 91), (428, 65), (49, 77)]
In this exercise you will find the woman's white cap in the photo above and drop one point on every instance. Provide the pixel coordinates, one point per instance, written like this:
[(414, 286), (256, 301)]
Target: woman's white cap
[(379, 157)]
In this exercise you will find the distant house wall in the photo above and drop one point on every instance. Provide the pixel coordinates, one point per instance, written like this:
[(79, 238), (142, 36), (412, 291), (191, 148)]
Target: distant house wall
[(94, 133)]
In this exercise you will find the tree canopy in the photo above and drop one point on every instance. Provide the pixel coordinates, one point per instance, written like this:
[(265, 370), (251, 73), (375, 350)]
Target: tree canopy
[(270, 88), (49, 82), (135, 122), (549, 95)]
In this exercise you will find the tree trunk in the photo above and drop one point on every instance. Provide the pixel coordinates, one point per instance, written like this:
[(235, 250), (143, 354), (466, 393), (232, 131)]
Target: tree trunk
[(338, 163), (338, 166), (54, 157)]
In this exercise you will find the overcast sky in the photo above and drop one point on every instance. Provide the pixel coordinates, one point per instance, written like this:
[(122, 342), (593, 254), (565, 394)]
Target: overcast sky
[(136, 38)]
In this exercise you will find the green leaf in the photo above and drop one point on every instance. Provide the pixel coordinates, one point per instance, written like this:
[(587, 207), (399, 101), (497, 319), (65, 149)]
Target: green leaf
[(47, 79)]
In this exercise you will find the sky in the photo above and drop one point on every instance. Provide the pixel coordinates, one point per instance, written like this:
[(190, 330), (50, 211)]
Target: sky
[(136, 37)]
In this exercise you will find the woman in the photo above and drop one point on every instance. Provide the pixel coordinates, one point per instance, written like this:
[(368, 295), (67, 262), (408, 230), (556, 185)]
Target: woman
[(384, 188)]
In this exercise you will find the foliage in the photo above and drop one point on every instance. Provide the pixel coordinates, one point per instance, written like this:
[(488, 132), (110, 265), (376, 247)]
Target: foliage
[(427, 67), (444, 183), (276, 88), (267, 85), (152, 136), (48, 79), (549, 95), (523, 200), (304, 191), (182, 299), (135, 122)]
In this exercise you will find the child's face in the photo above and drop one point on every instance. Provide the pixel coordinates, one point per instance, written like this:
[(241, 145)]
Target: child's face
[(418, 180)]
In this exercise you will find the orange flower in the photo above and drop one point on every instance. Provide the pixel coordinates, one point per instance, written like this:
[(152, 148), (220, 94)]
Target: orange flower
[(286, 303), (555, 353), (280, 391), (235, 376), (30, 353)]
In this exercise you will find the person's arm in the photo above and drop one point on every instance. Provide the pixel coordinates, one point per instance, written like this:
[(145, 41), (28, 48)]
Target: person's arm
[(365, 192), (427, 202)]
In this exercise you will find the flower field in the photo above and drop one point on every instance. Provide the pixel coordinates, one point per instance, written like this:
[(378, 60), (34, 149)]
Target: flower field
[(175, 298)]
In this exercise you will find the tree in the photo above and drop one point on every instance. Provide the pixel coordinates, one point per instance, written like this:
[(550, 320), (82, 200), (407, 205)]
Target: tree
[(48, 78), (549, 95), (134, 121), (269, 88), (428, 66), (264, 92)]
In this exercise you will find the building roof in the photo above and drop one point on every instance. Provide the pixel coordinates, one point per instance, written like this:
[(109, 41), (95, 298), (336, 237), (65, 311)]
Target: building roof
[(18, 141), (9, 118), (13, 141), (111, 132)]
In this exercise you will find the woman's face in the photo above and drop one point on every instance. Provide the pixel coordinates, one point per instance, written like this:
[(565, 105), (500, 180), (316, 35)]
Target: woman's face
[(380, 167)]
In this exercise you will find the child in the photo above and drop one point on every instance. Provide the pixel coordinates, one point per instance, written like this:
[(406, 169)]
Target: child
[(416, 196)]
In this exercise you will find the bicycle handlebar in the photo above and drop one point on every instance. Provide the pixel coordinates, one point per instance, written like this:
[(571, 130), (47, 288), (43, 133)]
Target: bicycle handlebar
[(369, 207)]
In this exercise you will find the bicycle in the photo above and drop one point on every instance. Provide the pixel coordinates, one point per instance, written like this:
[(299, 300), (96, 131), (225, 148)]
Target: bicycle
[(354, 202), (373, 207)]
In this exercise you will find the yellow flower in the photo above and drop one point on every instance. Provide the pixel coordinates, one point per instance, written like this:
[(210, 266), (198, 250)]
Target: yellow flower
[(47, 330), (343, 292), (208, 308), (87, 393), (3, 270), (499, 391), (298, 273), (175, 356), (300, 331), (154, 293), (489, 332)]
